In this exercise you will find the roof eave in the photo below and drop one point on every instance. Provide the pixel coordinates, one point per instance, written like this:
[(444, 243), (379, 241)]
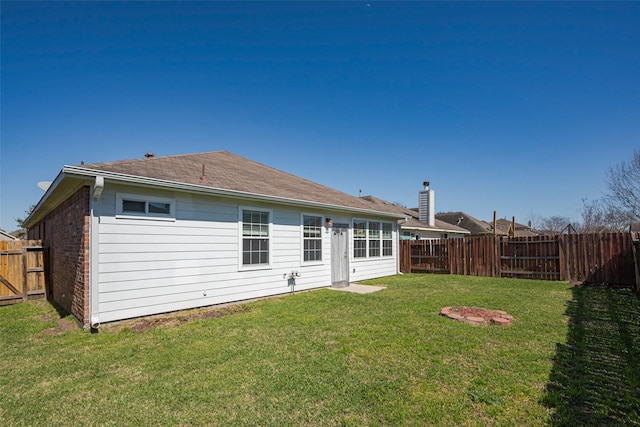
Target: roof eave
[(35, 215)]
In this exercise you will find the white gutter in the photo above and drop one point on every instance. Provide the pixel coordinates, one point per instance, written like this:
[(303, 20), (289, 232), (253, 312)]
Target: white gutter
[(439, 229), (409, 227), (85, 172), (398, 249)]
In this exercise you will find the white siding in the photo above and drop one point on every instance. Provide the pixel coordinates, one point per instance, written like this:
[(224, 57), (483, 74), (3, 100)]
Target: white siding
[(149, 266)]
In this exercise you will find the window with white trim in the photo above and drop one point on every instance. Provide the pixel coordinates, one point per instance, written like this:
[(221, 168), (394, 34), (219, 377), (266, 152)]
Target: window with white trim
[(372, 239), (359, 238), (144, 206), (312, 238), (255, 237), (387, 239)]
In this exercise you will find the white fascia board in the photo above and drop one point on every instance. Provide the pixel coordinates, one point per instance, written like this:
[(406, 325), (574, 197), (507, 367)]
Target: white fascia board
[(43, 199), (154, 182)]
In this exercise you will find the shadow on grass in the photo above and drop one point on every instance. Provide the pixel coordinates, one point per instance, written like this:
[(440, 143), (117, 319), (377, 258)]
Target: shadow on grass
[(595, 379), (62, 312)]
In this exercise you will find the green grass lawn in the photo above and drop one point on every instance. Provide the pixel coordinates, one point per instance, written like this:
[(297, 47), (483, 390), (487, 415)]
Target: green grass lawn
[(335, 358)]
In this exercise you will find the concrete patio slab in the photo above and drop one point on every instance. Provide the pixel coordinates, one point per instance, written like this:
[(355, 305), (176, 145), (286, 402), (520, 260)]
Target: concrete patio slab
[(359, 289)]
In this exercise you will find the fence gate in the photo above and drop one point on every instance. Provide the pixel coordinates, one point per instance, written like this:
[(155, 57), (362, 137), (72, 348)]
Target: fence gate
[(21, 271), (430, 256), (530, 257)]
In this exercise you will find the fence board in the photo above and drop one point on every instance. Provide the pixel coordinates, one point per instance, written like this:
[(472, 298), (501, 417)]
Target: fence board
[(592, 258)]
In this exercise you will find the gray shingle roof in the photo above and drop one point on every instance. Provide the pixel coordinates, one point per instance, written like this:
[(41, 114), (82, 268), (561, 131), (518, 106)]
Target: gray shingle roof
[(466, 221), (228, 171)]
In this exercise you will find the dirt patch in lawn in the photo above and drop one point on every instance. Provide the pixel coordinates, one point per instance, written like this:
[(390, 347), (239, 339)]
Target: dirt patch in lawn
[(174, 319), (477, 315), (63, 325)]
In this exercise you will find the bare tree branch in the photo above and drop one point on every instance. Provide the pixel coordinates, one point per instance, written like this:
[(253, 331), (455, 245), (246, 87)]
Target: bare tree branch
[(623, 181)]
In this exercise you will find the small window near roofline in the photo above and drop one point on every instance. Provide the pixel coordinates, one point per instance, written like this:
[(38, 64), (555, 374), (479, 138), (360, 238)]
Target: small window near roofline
[(138, 206)]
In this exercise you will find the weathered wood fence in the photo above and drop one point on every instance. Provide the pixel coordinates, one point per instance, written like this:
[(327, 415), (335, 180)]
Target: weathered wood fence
[(592, 258), (22, 272)]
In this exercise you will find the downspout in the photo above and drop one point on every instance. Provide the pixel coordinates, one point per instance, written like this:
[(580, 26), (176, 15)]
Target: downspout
[(398, 254), (96, 192)]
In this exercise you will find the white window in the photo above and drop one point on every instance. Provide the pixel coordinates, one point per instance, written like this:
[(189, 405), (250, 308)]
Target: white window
[(255, 237), (387, 239), (359, 238), (312, 238), (139, 206), (372, 239)]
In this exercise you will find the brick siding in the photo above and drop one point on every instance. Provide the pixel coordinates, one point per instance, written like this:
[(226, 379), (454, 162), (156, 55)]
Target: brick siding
[(65, 232)]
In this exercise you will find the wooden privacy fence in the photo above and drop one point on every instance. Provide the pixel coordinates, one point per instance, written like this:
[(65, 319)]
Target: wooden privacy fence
[(22, 273), (593, 258)]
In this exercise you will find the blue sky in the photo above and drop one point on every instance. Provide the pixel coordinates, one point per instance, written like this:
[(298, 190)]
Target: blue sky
[(518, 107)]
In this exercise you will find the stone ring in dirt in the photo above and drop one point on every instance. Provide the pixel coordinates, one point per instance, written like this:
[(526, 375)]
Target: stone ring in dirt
[(477, 316)]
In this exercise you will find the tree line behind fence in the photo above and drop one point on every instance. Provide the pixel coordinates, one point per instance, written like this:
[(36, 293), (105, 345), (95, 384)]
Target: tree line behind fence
[(591, 258)]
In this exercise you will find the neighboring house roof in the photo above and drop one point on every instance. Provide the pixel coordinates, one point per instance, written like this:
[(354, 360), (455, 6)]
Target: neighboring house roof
[(412, 221), (466, 221), (215, 172), (521, 230), (479, 227), (7, 236)]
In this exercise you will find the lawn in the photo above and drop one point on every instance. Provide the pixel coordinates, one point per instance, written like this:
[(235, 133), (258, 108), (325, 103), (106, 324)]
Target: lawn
[(569, 357)]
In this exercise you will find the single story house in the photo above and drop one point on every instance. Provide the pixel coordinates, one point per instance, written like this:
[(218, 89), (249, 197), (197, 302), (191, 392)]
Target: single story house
[(158, 234)]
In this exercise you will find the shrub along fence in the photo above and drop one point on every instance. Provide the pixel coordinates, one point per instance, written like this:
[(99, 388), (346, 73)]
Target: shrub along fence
[(591, 258), (22, 272)]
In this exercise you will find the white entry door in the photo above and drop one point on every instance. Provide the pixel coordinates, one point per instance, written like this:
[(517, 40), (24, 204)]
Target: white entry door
[(340, 255)]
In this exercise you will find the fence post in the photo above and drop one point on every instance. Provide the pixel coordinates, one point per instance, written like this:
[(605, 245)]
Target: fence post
[(562, 256), (24, 273), (635, 246), (497, 253)]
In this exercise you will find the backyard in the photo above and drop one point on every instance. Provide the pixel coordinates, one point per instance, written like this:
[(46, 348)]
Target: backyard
[(571, 356)]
